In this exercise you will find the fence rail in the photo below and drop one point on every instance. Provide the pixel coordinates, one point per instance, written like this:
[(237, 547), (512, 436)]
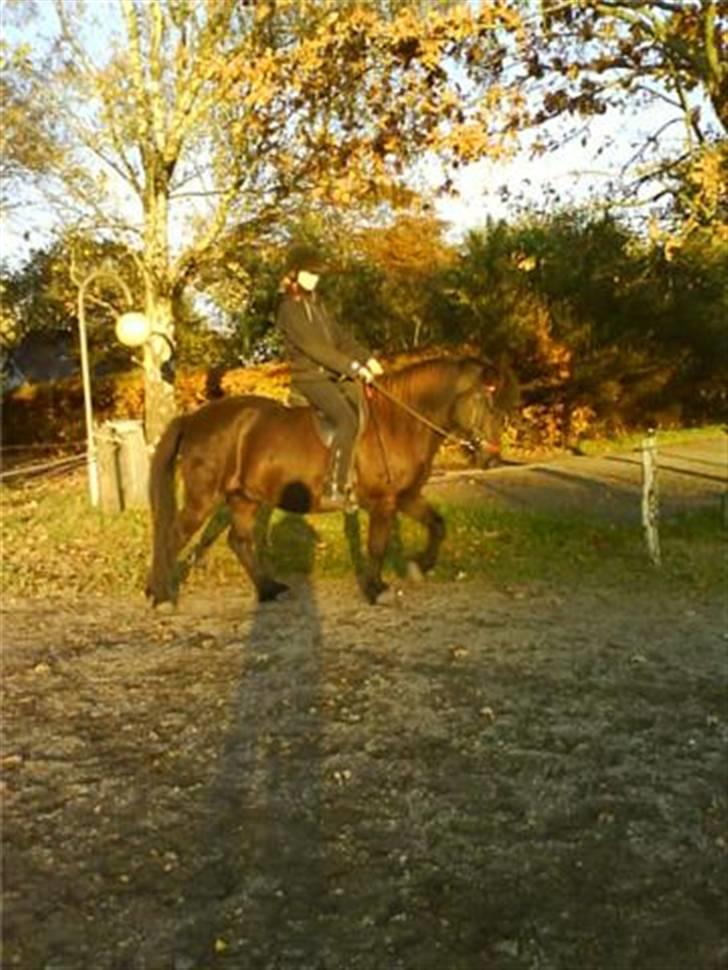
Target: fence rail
[(37, 469)]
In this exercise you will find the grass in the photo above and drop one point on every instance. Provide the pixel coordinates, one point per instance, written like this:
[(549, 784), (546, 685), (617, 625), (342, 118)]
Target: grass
[(632, 441), (566, 548), (53, 544)]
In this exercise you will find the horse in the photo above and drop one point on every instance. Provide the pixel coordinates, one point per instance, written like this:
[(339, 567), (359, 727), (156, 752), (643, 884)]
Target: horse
[(254, 452)]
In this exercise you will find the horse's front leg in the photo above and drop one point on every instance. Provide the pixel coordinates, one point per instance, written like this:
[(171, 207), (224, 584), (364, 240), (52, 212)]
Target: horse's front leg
[(381, 518), (421, 511), (242, 541)]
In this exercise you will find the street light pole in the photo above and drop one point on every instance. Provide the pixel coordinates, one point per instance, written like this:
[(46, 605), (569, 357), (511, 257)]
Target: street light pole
[(91, 453)]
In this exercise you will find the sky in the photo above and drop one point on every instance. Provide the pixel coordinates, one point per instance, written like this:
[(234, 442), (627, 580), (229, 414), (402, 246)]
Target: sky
[(578, 171)]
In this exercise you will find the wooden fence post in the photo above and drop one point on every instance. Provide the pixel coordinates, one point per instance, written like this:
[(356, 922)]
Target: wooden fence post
[(107, 456), (650, 497), (133, 462), (123, 464)]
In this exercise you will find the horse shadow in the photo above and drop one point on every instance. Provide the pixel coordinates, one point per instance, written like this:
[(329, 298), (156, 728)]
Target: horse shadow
[(261, 845), (285, 545)]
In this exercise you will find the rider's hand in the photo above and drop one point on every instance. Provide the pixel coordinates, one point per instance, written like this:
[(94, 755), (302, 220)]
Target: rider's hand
[(363, 371), (375, 367)]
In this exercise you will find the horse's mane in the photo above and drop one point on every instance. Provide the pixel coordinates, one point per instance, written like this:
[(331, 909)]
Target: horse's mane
[(425, 383), (420, 377)]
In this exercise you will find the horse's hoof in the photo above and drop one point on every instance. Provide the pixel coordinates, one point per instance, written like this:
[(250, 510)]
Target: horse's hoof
[(389, 597), (164, 606), (414, 572), (374, 591), (159, 598), (271, 589)]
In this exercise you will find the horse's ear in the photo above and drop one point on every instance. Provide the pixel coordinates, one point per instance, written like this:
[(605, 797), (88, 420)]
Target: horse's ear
[(507, 395)]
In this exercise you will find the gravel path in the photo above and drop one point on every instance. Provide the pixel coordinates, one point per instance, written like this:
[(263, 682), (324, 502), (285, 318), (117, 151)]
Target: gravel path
[(691, 476)]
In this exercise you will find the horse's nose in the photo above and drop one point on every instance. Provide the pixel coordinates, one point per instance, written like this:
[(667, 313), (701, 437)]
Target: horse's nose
[(492, 461), (489, 454)]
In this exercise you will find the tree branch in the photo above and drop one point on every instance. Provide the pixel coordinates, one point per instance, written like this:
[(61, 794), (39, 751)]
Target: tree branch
[(671, 6), (144, 109), (156, 94), (79, 54), (650, 140)]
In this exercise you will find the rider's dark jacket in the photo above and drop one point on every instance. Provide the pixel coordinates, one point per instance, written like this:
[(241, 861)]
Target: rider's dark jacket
[(317, 347)]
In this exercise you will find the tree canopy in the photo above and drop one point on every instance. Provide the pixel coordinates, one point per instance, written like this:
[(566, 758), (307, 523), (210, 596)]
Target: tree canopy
[(672, 55), (191, 137), (210, 122)]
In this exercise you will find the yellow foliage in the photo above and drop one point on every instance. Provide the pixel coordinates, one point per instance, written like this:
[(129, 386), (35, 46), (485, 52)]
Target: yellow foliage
[(53, 412), (9, 330), (548, 428), (703, 202), (411, 247)]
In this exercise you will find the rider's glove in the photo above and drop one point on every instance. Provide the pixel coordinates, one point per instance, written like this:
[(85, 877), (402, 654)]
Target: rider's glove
[(362, 371), (375, 367)]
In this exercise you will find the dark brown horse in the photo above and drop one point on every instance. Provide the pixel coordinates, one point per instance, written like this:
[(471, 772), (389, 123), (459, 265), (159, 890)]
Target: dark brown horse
[(254, 451)]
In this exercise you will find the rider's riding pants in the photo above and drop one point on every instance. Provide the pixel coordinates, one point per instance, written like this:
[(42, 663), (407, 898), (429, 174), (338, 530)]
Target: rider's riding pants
[(331, 398)]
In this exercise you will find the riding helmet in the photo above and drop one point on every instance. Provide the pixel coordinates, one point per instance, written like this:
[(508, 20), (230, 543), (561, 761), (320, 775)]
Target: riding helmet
[(306, 258)]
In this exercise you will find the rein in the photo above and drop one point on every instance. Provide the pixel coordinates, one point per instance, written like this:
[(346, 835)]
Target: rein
[(470, 444)]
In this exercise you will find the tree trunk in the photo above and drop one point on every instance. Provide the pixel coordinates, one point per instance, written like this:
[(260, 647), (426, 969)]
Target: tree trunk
[(160, 405), (159, 401)]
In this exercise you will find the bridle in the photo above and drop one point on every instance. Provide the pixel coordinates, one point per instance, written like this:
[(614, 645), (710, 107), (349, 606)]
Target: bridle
[(474, 442)]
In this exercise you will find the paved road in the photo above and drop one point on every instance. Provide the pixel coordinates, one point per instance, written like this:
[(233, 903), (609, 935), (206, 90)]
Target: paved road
[(691, 476)]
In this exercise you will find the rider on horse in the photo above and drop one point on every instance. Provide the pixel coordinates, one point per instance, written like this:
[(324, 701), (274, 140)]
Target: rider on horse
[(324, 358)]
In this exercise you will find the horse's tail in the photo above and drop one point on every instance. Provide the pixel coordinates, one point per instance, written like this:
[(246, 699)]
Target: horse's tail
[(164, 512)]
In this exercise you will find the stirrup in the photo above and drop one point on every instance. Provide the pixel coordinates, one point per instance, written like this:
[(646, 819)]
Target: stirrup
[(350, 501), (336, 501)]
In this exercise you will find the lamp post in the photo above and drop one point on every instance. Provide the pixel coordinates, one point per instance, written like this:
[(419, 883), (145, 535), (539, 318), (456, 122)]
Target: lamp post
[(127, 321), (133, 330)]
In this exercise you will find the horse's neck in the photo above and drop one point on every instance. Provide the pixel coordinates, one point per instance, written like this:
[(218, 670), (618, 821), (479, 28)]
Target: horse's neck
[(426, 390), (416, 418)]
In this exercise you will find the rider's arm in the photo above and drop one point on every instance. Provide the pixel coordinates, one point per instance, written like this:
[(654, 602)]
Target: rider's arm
[(362, 355), (309, 339)]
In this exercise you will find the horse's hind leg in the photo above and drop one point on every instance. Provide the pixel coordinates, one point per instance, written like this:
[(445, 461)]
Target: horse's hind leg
[(189, 519), (421, 511), (241, 539), (164, 586)]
